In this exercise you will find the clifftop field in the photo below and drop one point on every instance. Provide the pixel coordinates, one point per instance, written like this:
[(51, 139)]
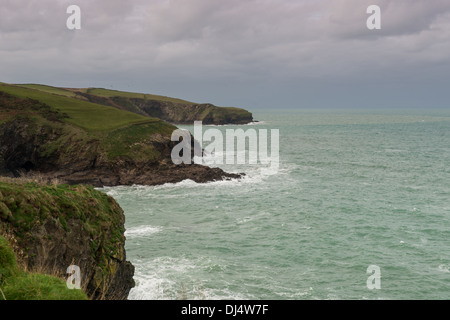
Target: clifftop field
[(84, 114), (173, 110)]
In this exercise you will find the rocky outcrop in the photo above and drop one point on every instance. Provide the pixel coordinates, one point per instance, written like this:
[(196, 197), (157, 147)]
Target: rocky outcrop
[(59, 226), (55, 150), (23, 152), (151, 174)]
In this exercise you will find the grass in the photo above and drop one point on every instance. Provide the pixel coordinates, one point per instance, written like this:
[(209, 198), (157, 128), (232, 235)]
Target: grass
[(98, 115), (18, 284), (49, 89), (135, 141), (81, 126), (229, 113), (89, 116), (106, 93), (114, 93), (27, 204), (8, 262), (220, 114)]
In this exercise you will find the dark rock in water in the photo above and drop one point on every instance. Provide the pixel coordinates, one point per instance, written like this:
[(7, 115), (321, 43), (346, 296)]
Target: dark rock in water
[(154, 174)]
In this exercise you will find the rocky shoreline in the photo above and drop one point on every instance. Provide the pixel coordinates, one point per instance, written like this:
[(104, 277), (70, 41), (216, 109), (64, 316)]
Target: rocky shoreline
[(150, 175)]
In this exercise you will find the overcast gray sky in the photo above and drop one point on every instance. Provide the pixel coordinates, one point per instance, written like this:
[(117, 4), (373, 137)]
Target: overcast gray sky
[(245, 53)]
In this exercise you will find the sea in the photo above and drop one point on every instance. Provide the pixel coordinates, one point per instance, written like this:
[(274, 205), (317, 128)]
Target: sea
[(359, 208)]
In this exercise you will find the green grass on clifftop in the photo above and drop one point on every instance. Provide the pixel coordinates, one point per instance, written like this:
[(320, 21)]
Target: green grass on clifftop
[(27, 205), (50, 89), (87, 115), (119, 133), (115, 93), (17, 284), (143, 104)]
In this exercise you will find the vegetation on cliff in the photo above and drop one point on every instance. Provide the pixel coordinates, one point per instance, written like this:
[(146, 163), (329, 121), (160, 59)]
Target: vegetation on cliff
[(62, 143), (18, 284), (55, 226), (81, 142), (173, 110)]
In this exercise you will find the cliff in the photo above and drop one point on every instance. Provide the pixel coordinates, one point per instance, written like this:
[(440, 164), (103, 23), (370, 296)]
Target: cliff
[(176, 111), (55, 226), (19, 284), (69, 144), (79, 142)]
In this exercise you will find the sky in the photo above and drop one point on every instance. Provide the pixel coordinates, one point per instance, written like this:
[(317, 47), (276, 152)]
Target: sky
[(243, 53)]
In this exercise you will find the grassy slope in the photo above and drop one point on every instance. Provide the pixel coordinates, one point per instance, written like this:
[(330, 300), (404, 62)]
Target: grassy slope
[(219, 114), (25, 204), (89, 116), (16, 284), (49, 89), (106, 93), (121, 133), (114, 93)]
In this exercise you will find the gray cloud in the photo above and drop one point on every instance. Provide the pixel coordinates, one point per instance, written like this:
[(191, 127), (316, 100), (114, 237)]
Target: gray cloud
[(229, 52)]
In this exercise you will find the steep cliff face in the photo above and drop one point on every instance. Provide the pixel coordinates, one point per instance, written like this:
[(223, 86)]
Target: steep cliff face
[(17, 283), (177, 112), (59, 226), (172, 110)]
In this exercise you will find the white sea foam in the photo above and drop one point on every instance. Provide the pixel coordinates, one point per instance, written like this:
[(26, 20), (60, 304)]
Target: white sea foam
[(149, 287), (444, 268), (310, 196), (255, 123), (253, 176), (257, 216), (170, 278), (112, 193), (249, 178), (142, 231), (157, 279)]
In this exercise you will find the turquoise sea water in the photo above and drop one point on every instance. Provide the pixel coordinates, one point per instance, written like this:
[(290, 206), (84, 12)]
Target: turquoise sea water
[(354, 188)]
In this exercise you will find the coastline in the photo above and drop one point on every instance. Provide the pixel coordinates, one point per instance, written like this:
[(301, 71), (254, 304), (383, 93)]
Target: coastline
[(53, 155)]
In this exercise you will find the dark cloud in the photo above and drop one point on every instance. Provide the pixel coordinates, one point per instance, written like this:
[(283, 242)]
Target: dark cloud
[(231, 51)]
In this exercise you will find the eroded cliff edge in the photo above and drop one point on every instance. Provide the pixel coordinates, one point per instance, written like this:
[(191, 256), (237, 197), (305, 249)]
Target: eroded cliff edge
[(55, 226)]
